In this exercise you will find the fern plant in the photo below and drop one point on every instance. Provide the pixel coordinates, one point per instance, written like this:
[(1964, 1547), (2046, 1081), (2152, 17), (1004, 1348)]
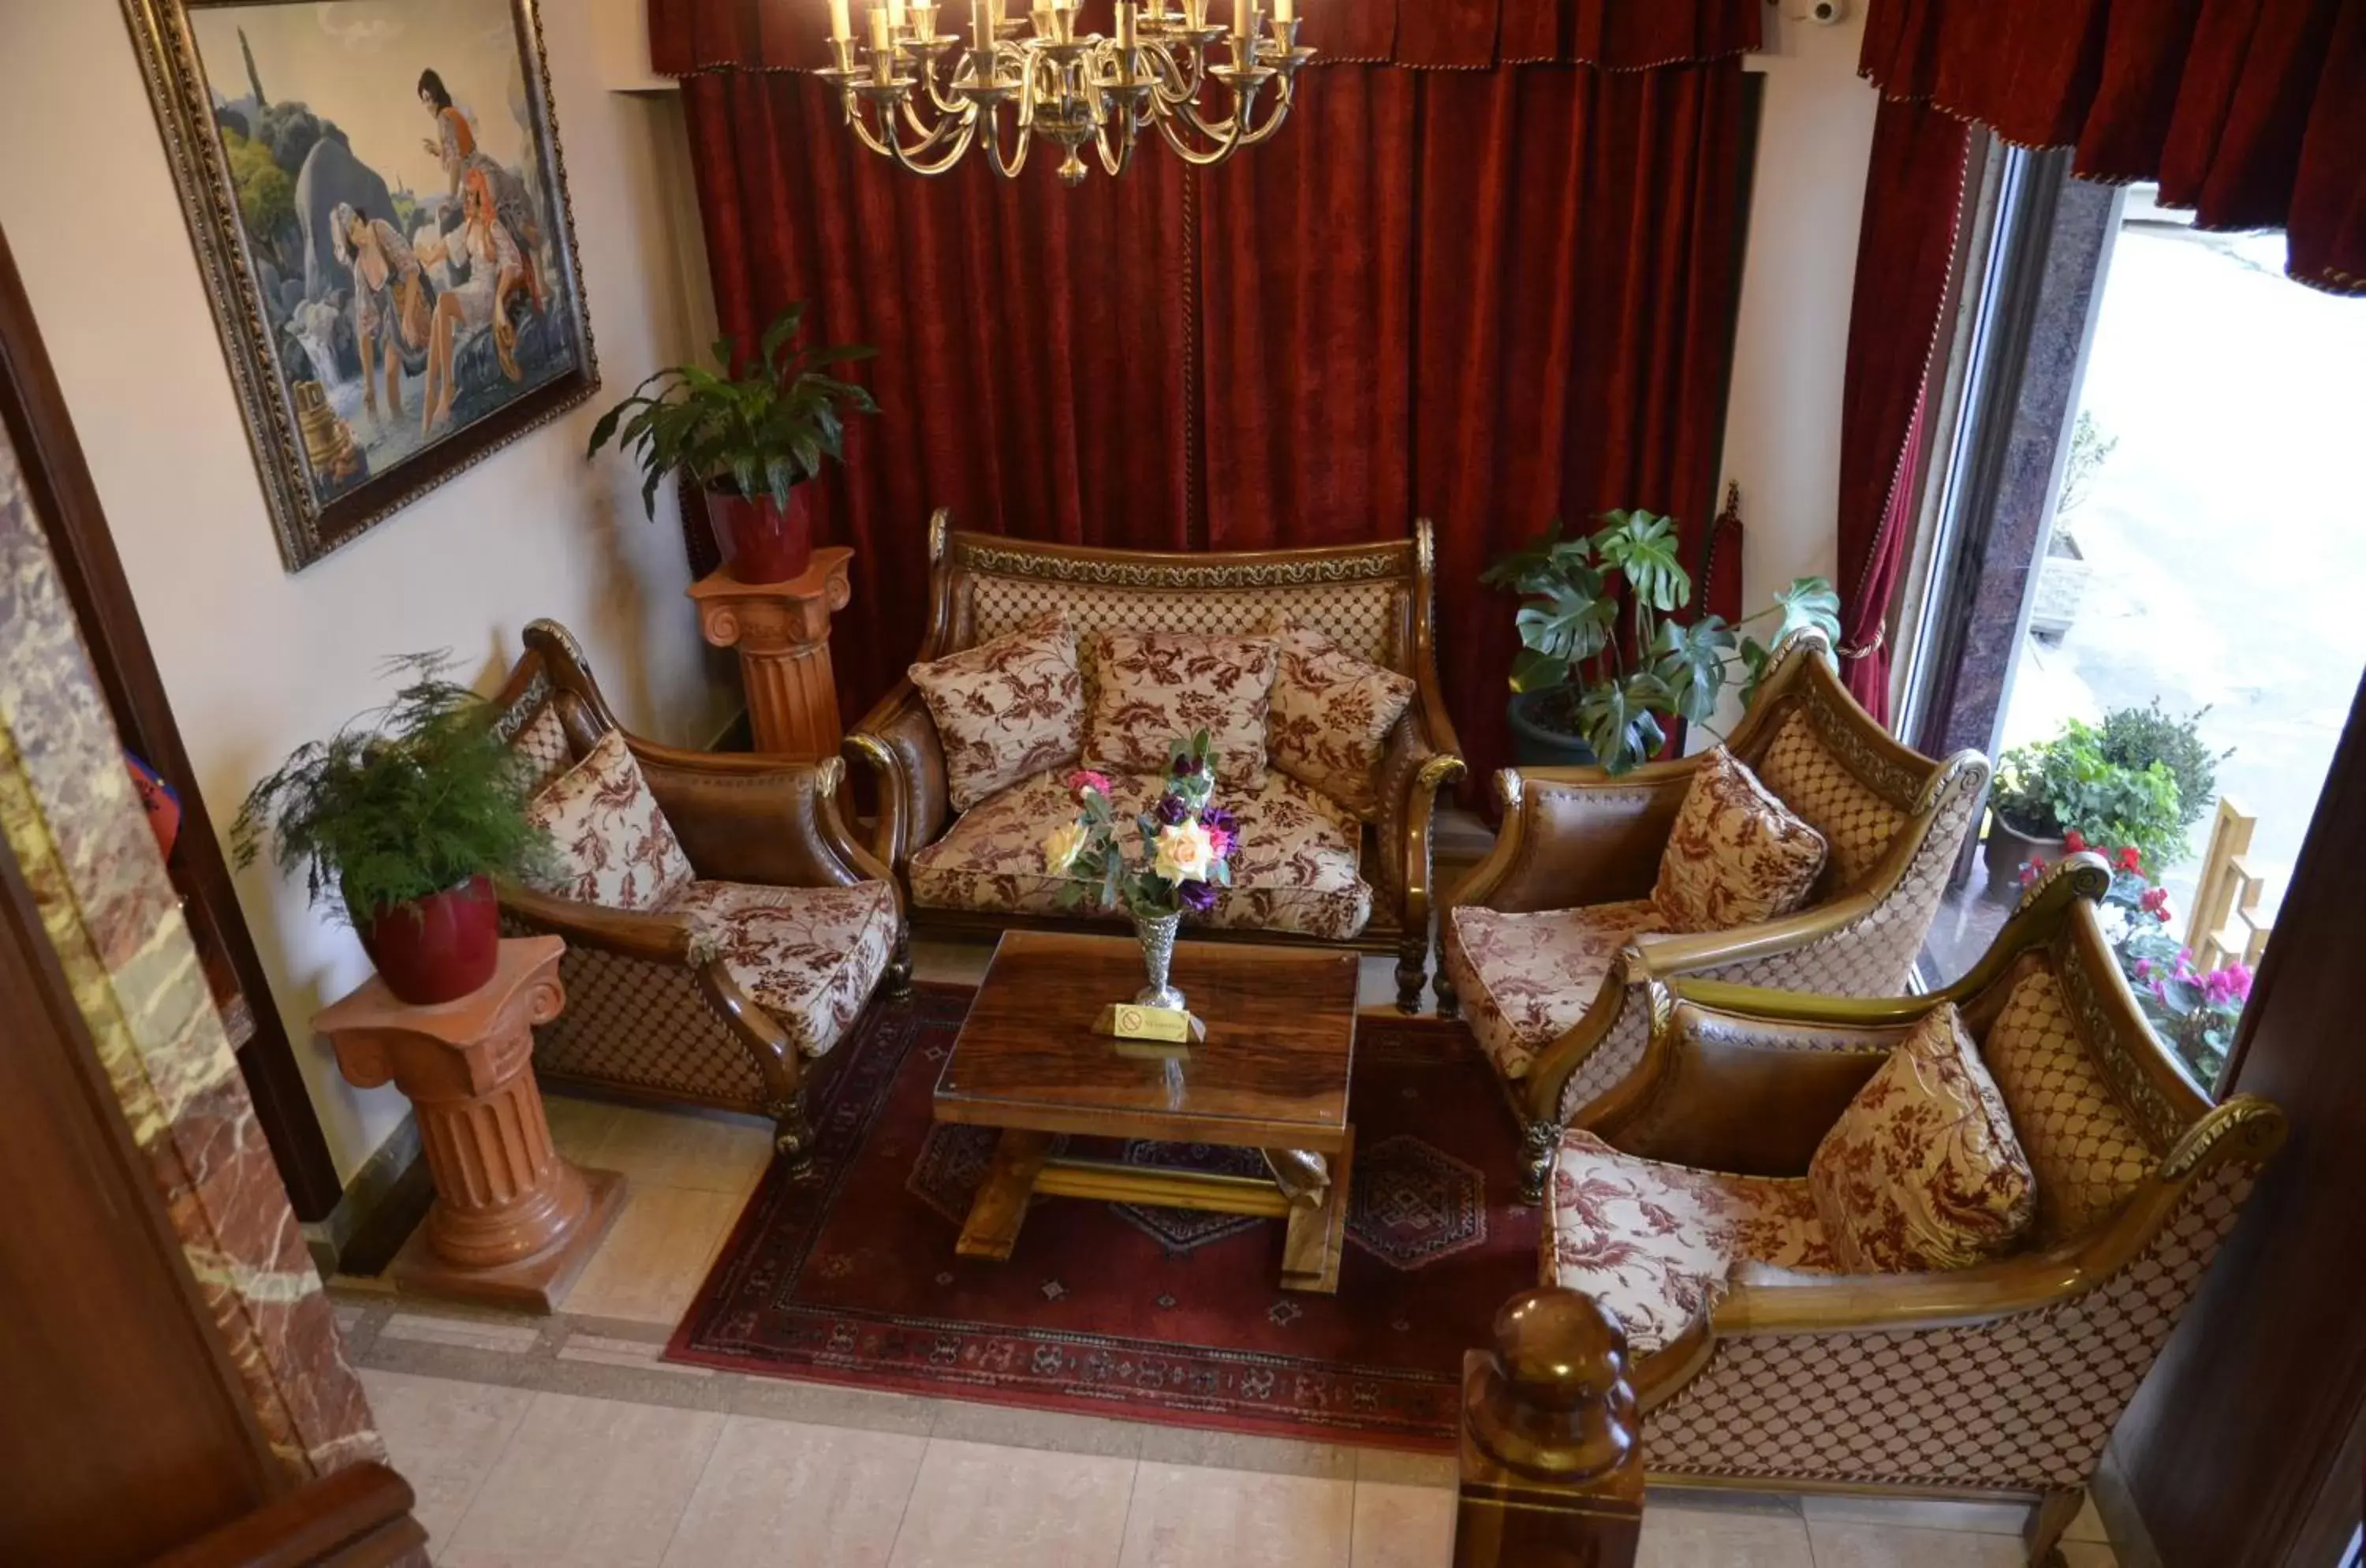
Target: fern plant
[(404, 801), (761, 432), (1573, 590)]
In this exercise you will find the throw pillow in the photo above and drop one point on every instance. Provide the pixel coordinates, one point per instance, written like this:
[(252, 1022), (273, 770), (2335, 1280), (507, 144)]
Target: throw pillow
[(1736, 856), (611, 843), (1152, 688), (1922, 1170), (1330, 714), (1006, 710)]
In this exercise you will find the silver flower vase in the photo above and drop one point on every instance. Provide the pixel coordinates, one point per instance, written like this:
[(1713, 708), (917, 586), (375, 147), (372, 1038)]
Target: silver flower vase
[(1158, 935)]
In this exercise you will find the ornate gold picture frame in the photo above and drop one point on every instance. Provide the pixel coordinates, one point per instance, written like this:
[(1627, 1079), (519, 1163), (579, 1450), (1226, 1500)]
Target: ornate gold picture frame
[(378, 203)]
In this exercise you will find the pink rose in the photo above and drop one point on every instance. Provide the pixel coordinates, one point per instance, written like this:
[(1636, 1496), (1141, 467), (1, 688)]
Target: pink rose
[(1084, 781), (1220, 843)]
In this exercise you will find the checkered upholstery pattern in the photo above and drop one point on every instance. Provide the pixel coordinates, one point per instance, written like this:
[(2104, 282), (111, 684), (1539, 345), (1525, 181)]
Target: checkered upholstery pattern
[(645, 1026), (1361, 617), (2024, 1403), (2088, 1153), (1806, 775), (1871, 956), (542, 743)]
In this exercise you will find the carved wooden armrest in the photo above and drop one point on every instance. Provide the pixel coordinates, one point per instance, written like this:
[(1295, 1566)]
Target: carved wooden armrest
[(657, 939), (1576, 836), (898, 742), (1412, 771)]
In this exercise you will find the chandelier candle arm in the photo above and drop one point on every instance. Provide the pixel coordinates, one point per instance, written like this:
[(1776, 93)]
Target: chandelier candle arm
[(924, 98)]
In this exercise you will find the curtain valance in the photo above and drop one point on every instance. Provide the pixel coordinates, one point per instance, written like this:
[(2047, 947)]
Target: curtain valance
[(2250, 112), (691, 36)]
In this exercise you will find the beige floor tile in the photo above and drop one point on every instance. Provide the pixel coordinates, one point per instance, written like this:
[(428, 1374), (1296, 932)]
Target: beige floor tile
[(1403, 1527), (578, 1126), (587, 1483), (1397, 1467), (2089, 1525), (1185, 1518), (775, 1493), (2087, 1554), (1918, 1513), (443, 1437), (1885, 1546), (979, 1507), (654, 1260), (1712, 1537), (706, 1152)]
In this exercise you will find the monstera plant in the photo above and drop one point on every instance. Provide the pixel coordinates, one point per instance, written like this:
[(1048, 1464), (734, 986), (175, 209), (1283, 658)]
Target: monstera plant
[(1604, 660)]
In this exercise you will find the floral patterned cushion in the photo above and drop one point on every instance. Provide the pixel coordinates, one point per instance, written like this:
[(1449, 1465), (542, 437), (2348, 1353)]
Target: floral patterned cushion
[(1736, 856), (613, 846), (1330, 714), (809, 956), (1526, 979), (1005, 709), (1922, 1171), (1151, 687), (1295, 869), (1658, 1244)]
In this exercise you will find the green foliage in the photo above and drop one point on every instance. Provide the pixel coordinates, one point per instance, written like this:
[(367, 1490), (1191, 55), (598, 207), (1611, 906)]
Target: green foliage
[(403, 801), (761, 434), (1574, 591), (2134, 738), (266, 196), (2067, 785)]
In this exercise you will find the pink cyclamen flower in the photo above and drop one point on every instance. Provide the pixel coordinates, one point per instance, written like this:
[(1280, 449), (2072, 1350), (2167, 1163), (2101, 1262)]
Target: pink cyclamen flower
[(2130, 858), (1084, 779), (2232, 983), (2031, 870)]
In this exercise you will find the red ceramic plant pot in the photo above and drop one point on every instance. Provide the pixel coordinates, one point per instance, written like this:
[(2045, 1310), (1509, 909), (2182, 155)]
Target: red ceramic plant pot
[(761, 540), (440, 948)]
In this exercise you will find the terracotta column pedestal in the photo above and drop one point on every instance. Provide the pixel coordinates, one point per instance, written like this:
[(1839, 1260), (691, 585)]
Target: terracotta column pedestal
[(512, 1222), (782, 630)]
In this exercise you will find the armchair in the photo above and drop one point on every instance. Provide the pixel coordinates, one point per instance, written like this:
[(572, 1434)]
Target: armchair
[(733, 991), (1759, 1361), (1531, 940), (1314, 871)]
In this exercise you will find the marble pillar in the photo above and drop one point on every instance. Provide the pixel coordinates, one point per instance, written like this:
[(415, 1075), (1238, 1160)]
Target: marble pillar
[(77, 831)]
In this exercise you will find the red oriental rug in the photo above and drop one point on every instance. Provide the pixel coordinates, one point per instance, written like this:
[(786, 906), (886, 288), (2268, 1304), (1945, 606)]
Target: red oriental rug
[(1119, 1310)]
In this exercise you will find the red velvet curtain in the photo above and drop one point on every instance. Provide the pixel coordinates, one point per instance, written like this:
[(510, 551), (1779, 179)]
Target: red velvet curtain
[(2251, 112), (1488, 295), (1913, 202)]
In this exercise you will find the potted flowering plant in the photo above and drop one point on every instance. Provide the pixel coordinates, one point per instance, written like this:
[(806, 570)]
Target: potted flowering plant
[(2193, 1010), (2048, 792), (1183, 847)]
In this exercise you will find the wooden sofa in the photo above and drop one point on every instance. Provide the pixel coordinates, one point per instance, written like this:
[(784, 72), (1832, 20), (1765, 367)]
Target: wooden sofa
[(1373, 600)]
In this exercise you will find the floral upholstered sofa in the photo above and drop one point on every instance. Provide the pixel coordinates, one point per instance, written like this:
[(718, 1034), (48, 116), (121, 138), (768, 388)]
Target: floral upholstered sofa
[(1313, 669), (724, 930)]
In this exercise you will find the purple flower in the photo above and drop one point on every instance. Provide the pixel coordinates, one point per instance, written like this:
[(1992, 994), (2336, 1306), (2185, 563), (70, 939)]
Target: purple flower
[(1170, 809), (1187, 767), (1216, 819), (1197, 897)]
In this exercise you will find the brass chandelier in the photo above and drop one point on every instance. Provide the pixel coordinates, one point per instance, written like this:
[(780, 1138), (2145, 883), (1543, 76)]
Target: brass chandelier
[(917, 96)]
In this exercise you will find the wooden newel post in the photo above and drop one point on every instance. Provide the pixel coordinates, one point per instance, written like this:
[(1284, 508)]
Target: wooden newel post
[(1552, 1452)]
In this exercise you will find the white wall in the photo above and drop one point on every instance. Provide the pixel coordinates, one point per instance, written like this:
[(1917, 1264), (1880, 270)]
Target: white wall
[(1783, 423), (256, 661)]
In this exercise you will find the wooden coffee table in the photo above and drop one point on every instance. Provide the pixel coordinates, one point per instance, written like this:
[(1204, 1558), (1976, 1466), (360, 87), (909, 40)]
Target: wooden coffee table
[(1272, 1075)]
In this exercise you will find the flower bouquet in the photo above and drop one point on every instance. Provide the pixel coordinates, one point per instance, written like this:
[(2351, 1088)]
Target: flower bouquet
[(2193, 1011), (1183, 846)]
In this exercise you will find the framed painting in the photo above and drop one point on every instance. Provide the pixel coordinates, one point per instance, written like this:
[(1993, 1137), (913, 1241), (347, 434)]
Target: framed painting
[(380, 208)]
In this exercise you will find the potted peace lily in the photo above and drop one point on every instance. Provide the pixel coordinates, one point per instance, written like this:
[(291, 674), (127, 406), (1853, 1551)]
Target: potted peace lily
[(1584, 692), (749, 442), (1183, 844), (408, 813)]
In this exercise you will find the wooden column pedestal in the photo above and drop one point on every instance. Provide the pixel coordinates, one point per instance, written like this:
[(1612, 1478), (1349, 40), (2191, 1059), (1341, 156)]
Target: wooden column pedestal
[(512, 1222), (1552, 1452), (782, 633)]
